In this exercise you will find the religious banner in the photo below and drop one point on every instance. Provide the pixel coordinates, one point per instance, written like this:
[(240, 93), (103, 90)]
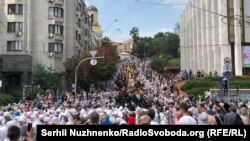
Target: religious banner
[(131, 84)]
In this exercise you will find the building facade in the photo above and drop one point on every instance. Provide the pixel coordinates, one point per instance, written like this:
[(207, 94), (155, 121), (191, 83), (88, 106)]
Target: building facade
[(39, 32), (125, 47), (96, 28), (212, 30)]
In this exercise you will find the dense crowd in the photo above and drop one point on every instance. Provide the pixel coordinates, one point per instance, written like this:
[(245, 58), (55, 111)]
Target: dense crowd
[(133, 100)]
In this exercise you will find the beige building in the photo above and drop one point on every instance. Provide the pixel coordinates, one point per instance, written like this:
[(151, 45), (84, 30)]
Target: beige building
[(96, 28), (125, 47), (212, 30), (40, 32)]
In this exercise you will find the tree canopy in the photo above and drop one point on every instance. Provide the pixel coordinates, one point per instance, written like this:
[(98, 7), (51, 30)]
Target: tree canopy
[(46, 77), (161, 49), (88, 74)]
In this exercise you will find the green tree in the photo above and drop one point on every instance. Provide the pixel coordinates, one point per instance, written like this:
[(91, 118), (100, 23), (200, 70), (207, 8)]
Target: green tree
[(106, 41), (177, 29), (31, 93), (134, 32), (87, 74), (46, 77), (167, 44), (158, 64)]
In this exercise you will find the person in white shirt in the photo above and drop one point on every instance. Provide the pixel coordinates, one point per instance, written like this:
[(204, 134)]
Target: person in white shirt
[(151, 114), (186, 119)]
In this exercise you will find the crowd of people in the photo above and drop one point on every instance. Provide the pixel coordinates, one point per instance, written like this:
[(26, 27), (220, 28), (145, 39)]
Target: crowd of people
[(133, 100), (187, 74)]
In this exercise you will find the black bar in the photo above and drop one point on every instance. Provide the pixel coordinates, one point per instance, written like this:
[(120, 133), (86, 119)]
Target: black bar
[(46, 133)]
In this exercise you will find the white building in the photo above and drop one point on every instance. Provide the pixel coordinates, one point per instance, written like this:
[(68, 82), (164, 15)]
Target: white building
[(40, 32), (212, 30)]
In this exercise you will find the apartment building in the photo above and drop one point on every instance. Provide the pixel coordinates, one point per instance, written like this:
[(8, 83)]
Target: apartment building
[(39, 32)]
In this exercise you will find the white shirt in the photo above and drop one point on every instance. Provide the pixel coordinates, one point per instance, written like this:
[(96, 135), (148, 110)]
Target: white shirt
[(154, 123), (187, 120)]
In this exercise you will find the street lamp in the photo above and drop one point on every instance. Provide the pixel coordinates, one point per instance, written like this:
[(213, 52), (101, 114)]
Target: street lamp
[(93, 62), (117, 30), (120, 32), (109, 26)]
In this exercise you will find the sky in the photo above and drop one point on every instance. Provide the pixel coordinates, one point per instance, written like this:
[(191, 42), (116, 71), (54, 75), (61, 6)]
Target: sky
[(150, 19)]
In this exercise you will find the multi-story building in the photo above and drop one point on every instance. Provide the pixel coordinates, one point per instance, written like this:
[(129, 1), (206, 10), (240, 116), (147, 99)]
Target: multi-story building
[(39, 32), (125, 47), (212, 30), (96, 28)]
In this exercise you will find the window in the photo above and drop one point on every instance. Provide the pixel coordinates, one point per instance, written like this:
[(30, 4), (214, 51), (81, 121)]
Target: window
[(56, 47), (14, 46), (15, 9), (15, 27), (86, 20), (86, 32), (56, 29), (56, 12), (92, 18), (79, 22), (79, 37), (126, 48), (78, 8), (76, 35)]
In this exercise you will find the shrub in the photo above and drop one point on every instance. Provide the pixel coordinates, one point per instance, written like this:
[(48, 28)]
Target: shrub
[(31, 93), (5, 99), (197, 87)]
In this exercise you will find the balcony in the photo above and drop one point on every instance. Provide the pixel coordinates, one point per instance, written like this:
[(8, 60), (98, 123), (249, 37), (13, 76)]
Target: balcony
[(60, 2), (55, 37), (53, 20)]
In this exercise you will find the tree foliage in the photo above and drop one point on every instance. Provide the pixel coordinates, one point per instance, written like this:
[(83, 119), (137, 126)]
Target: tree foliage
[(106, 41), (32, 92), (162, 49), (46, 77), (88, 74), (158, 64), (166, 44), (134, 32)]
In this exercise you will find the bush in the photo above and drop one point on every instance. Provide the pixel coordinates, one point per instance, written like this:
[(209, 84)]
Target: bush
[(197, 87), (5, 99), (31, 93), (16, 97), (235, 78), (158, 64), (174, 63)]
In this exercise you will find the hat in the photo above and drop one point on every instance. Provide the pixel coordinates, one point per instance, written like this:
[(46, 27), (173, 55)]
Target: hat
[(123, 122), (17, 114), (22, 119), (41, 117), (47, 119), (7, 114)]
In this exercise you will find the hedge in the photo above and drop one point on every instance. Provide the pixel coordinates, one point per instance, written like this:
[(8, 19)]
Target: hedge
[(235, 78), (197, 87)]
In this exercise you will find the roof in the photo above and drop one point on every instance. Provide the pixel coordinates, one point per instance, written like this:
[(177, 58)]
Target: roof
[(92, 8)]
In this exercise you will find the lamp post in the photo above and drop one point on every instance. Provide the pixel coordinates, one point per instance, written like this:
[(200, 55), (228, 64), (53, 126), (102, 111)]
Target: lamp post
[(120, 32), (117, 30), (93, 62), (109, 26)]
